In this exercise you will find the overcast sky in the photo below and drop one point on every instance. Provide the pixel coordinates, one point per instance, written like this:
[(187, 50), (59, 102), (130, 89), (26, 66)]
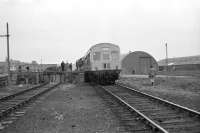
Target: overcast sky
[(57, 30)]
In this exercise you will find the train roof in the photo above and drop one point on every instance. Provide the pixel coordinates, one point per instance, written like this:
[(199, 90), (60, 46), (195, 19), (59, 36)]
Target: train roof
[(101, 44), (98, 45)]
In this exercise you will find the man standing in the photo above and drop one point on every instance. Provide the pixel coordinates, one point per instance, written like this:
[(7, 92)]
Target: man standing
[(152, 75), (62, 66), (62, 76)]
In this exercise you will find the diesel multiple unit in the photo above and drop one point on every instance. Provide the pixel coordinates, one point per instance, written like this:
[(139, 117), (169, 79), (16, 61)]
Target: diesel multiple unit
[(101, 64)]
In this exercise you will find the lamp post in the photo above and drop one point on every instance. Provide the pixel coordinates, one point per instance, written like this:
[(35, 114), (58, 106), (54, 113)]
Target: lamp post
[(8, 51)]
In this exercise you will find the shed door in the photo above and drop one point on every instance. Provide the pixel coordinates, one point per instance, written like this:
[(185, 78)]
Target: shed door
[(145, 63)]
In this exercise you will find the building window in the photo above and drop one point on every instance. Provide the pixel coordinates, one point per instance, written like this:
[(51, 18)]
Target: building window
[(96, 56)]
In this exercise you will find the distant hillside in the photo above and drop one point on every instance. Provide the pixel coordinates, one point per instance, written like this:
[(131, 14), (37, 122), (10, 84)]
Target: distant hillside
[(180, 60)]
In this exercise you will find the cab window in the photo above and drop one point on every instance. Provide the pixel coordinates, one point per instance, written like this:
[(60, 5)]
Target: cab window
[(97, 56), (106, 56), (114, 55)]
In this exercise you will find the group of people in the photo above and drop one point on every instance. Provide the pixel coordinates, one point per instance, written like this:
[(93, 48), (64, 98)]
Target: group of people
[(66, 66)]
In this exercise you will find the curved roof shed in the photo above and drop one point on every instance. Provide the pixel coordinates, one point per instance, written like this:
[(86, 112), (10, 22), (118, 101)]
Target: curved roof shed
[(138, 62)]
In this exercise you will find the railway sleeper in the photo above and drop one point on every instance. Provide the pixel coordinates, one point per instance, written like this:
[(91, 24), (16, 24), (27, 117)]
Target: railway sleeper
[(140, 102), (165, 118), (180, 124), (163, 113), (184, 129), (14, 101), (148, 110), (135, 128)]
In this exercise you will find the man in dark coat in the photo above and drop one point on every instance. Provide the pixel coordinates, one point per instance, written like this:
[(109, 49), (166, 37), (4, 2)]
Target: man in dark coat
[(62, 66), (152, 75)]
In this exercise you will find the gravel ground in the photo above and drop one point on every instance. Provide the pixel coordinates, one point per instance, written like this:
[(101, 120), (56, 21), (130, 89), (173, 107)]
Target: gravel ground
[(68, 109), (183, 91)]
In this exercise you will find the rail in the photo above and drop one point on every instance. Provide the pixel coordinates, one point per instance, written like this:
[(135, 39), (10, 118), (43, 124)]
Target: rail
[(193, 112), (154, 126)]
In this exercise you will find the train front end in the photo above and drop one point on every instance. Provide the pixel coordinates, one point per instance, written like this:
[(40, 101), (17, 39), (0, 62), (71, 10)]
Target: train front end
[(104, 64)]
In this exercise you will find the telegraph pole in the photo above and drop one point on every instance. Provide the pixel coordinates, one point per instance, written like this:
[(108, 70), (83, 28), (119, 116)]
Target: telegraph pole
[(166, 57), (166, 61), (8, 51)]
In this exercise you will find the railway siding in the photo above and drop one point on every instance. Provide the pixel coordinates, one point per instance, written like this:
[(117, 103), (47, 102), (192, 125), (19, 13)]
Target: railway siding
[(10, 104), (171, 118)]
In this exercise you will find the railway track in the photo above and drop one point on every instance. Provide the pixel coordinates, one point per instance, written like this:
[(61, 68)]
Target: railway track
[(3, 80), (158, 114), (128, 120), (12, 103)]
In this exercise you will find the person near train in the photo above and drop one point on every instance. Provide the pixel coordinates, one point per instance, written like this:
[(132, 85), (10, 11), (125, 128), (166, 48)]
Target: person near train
[(152, 75)]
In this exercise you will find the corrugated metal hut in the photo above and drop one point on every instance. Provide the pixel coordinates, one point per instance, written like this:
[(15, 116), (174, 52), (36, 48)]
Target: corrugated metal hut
[(138, 62)]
